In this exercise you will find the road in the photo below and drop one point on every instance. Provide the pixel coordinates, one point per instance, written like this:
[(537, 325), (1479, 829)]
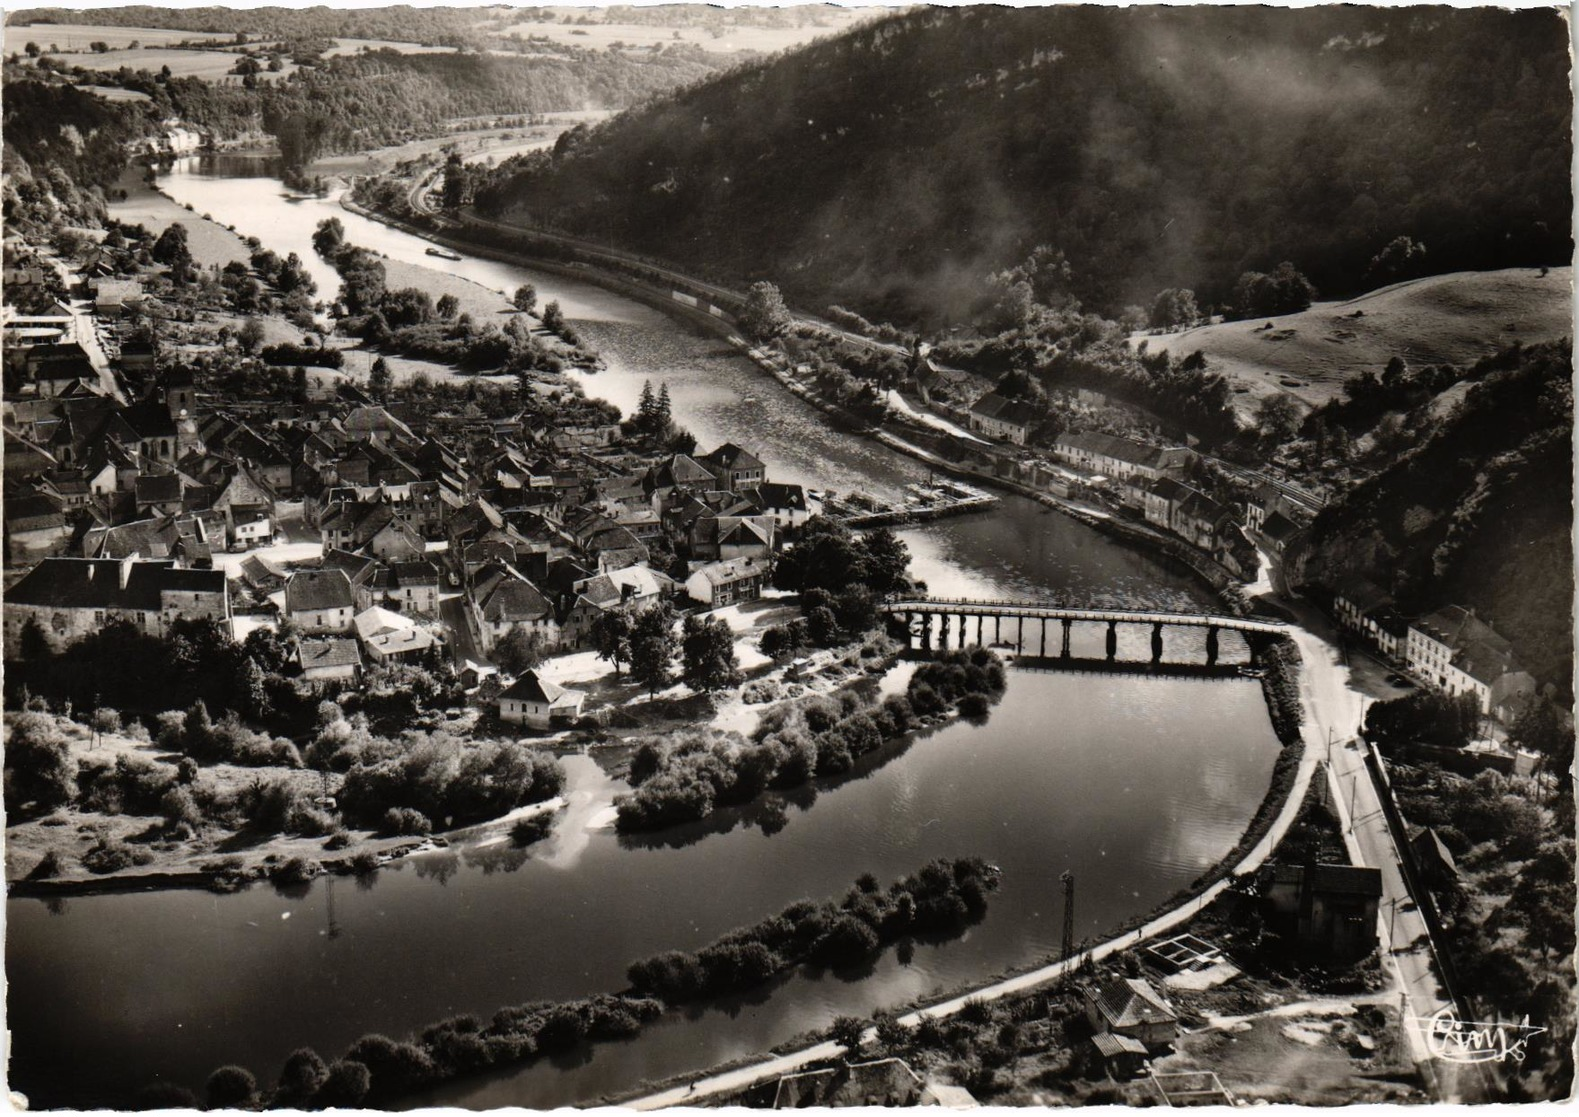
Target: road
[(463, 645)]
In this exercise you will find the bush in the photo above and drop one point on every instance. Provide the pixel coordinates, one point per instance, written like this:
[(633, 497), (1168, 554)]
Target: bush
[(346, 1085), (230, 1087), (364, 862), (405, 821), (48, 867), (297, 870), (108, 856)]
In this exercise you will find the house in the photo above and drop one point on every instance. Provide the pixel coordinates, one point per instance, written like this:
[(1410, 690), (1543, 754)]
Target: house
[(1433, 859), (1453, 651), (731, 537), (351, 525), (634, 586), (71, 598), (389, 637), (261, 575), (362, 572), (1121, 459), (1122, 1057), (678, 471), (789, 505), (1201, 521), (1161, 498), (1366, 610), (414, 587), (35, 526), (1328, 909), (886, 1082), (396, 541), (1279, 531), (997, 416), (319, 601), (734, 468), (534, 701), (329, 660), (725, 583), (501, 599), (111, 296), (1130, 1006)]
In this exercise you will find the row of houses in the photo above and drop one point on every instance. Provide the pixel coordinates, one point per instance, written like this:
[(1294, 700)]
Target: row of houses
[(1450, 650)]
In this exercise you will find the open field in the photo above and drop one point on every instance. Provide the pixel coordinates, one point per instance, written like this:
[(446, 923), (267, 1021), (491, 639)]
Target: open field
[(473, 145), (1442, 319), (352, 46), (78, 37), (726, 39), (211, 65), (210, 242), (114, 93)]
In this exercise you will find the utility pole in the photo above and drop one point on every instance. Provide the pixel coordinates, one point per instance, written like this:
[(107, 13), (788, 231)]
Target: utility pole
[(1353, 781), (1068, 880)]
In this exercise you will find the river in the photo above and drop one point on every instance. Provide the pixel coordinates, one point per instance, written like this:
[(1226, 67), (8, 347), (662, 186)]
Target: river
[(1134, 784)]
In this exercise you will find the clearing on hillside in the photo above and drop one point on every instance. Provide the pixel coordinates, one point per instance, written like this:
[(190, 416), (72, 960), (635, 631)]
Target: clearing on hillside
[(1453, 319)]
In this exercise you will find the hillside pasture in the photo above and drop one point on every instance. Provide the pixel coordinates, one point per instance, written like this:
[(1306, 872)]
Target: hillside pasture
[(725, 39), (80, 37), (352, 46), (210, 65), (1442, 319)]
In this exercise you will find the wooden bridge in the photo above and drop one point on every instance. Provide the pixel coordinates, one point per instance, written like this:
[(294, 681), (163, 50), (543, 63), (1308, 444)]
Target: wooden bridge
[(930, 610)]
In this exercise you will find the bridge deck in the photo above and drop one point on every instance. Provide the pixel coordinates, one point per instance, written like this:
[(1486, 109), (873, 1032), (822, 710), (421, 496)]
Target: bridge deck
[(1040, 611)]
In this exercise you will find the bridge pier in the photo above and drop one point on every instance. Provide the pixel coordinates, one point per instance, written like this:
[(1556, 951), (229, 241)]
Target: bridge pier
[(1044, 638), (997, 629), (981, 622), (1156, 642), (1068, 624), (926, 632), (943, 619), (1112, 639), (1211, 646)]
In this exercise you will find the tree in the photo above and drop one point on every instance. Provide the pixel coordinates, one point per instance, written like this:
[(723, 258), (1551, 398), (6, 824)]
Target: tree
[(329, 236), (251, 335), (763, 316), (553, 317), (230, 1087), (707, 650), (1173, 309), (847, 1032), (455, 181), (1278, 417), (32, 50), (448, 307), (301, 1077), (526, 299), (611, 636), (37, 642), (663, 416), (171, 249), (251, 699), (653, 644), (646, 407), (346, 1085), (1403, 258), (1283, 291), (38, 764), (98, 46), (379, 380), (519, 650)]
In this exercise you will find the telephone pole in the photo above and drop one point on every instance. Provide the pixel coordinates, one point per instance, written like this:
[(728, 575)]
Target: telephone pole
[(1069, 915)]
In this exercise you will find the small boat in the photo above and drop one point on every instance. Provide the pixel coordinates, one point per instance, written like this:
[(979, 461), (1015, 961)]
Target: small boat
[(444, 254)]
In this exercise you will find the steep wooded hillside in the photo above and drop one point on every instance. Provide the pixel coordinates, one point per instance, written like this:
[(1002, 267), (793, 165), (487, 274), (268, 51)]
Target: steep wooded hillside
[(1480, 513), (890, 169)]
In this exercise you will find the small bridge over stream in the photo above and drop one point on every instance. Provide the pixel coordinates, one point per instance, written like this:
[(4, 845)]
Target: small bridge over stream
[(940, 614)]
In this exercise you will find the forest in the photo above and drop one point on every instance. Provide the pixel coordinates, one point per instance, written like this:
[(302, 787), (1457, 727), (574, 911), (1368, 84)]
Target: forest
[(353, 102), (893, 168)]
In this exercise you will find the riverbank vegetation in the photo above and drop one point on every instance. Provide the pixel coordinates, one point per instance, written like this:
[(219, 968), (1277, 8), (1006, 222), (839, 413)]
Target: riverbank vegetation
[(408, 323), (943, 898), (686, 778)]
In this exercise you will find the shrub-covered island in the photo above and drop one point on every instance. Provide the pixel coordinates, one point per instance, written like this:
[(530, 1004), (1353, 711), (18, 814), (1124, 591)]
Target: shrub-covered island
[(686, 778)]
